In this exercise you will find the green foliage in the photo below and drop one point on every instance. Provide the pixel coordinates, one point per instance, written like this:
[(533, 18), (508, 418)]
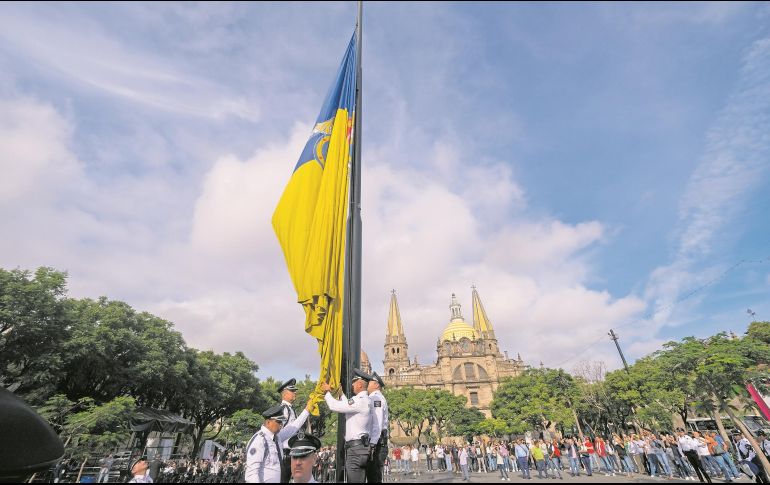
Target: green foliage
[(99, 429), (240, 426), (465, 422), (536, 399), (494, 427), (219, 385), (759, 331), (34, 325)]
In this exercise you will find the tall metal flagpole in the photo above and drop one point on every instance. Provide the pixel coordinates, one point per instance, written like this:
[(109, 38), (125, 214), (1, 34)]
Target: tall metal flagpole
[(351, 319)]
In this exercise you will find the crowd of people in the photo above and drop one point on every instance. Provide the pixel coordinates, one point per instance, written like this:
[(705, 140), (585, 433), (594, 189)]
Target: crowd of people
[(684, 455)]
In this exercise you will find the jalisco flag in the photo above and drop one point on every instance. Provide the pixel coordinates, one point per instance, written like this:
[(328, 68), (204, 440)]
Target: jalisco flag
[(310, 220)]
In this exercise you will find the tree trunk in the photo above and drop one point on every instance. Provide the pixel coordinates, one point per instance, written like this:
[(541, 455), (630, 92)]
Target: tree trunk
[(577, 422), (738, 422)]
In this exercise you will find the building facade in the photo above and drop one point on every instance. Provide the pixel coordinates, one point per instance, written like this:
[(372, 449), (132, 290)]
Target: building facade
[(468, 361)]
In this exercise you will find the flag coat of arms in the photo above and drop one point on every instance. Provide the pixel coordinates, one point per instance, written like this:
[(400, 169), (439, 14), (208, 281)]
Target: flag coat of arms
[(311, 216)]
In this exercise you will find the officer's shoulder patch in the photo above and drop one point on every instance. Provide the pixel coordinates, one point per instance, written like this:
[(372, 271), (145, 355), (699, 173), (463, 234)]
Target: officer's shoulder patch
[(378, 404), (351, 401)]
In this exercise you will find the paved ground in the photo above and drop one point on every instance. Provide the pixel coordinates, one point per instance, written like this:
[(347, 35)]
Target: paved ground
[(444, 477)]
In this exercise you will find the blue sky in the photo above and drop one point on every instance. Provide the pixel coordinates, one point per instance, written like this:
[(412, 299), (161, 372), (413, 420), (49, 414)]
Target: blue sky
[(586, 166)]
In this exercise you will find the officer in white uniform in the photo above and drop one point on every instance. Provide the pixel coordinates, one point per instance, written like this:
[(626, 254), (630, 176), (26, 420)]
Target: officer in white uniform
[(304, 455), (288, 392), (358, 413), (263, 453), (380, 424)]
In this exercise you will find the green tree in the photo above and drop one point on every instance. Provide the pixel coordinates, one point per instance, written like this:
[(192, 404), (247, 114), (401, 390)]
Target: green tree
[(533, 400), (409, 409), (465, 422), (759, 331), (115, 351), (34, 324), (443, 410), (240, 426), (494, 427), (219, 385), (99, 429)]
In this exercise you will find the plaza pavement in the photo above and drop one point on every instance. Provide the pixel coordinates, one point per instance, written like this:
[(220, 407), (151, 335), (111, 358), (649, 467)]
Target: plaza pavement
[(444, 477)]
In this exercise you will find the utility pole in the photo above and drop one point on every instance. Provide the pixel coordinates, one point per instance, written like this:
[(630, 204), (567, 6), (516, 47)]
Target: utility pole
[(614, 337)]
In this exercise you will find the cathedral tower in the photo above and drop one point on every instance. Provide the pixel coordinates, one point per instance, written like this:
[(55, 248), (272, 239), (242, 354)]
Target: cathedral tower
[(483, 326), (396, 357)]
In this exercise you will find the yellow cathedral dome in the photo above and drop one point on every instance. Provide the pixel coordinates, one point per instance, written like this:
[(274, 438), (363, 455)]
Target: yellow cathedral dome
[(457, 330)]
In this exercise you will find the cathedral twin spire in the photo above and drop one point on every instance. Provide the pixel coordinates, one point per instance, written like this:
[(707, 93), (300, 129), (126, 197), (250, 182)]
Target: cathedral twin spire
[(481, 321)]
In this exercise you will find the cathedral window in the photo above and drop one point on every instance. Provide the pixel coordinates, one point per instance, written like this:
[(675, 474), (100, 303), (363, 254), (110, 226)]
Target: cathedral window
[(391, 372), (394, 350), (474, 399), (470, 372)]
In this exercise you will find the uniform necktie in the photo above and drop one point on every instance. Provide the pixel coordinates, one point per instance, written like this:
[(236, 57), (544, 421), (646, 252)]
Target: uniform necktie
[(277, 446)]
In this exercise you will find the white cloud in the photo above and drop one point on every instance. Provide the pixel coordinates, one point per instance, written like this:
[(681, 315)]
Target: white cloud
[(733, 165), (81, 50)]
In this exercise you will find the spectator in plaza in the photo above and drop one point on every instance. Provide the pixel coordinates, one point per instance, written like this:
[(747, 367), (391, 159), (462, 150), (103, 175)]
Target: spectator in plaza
[(104, 470), (553, 458), (586, 449), (726, 455), (397, 457), (659, 449), (492, 457), (717, 452), (600, 449), (448, 459), (573, 453), (689, 447), (501, 452), (764, 443), (440, 458), (748, 456), (521, 451), (463, 456), (415, 455), (621, 454), (481, 453), (537, 454), (429, 457)]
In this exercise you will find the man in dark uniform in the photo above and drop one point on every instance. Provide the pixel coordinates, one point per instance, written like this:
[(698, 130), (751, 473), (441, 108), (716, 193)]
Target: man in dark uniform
[(28, 444), (288, 392), (380, 424), (358, 413)]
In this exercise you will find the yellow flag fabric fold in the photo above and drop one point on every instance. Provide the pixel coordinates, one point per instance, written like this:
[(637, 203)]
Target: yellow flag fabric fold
[(311, 217)]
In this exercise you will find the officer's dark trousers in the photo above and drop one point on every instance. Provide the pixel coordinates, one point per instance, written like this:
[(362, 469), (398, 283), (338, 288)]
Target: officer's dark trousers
[(286, 467), (374, 467), (692, 457), (356, 459)]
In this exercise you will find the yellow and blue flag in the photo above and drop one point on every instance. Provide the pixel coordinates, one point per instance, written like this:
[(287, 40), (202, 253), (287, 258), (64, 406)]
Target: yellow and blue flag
[(311, 217)]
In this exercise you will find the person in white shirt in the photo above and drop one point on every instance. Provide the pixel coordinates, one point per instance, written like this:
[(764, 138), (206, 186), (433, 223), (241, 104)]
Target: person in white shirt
[(140, 472), (464, 463), (380, 423), (358, 413), (288, 392), (689, 447), (264, 459), (415, 452), (746, 453)]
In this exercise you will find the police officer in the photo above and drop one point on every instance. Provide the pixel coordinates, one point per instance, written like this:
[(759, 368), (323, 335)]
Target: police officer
[(380, 424), (358, 413), (304, 454), (288, 392), (264, 453)]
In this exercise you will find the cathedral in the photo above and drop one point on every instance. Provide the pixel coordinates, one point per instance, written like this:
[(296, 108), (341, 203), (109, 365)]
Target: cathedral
[(468, 362)]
